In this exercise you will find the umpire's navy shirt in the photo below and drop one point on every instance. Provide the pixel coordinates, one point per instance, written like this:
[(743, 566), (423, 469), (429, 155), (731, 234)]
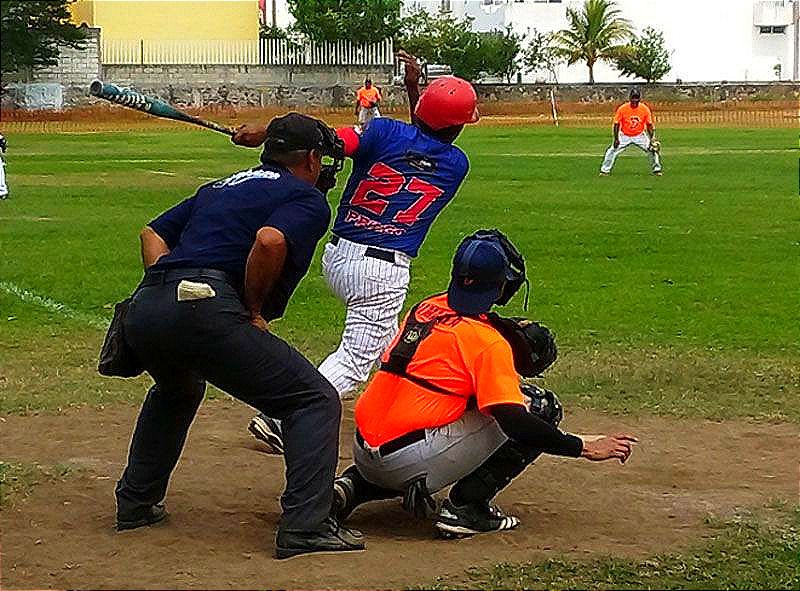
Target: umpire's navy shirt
[(216, 228)]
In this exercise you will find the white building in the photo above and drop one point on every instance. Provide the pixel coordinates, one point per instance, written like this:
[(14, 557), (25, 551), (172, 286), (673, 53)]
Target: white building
[(710, 40)]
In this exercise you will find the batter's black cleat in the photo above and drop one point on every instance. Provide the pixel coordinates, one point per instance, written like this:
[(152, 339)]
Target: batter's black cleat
[(457, 521), (344, 497), (141, 517), (332, 537), (268, 431)]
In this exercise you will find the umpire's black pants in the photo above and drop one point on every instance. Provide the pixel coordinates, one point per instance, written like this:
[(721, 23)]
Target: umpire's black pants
[(184, 344)]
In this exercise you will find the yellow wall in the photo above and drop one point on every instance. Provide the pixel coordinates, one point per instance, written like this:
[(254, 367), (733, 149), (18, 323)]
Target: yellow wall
[(170, 19), (82, 12)]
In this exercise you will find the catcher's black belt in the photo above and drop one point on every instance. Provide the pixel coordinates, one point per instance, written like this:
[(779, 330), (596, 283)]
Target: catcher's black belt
[(374, 253), (395, 444)]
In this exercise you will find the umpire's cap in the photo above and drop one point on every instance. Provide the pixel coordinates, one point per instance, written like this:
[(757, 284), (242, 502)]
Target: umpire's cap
[(294, 131), (480, 269), (446, 102)]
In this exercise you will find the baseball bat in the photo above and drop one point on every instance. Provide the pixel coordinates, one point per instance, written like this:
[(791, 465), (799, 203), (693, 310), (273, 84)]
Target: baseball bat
[(136, 100)]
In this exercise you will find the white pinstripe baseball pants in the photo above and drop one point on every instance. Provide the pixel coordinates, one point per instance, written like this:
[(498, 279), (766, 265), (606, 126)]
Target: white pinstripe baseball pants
[(374, 291)]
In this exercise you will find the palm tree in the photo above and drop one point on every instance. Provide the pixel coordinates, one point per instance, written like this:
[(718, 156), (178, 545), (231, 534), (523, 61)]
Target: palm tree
[(596, 32)]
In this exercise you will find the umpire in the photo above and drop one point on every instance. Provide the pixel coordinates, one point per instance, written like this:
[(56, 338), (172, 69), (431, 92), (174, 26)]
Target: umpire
[(219, 266)]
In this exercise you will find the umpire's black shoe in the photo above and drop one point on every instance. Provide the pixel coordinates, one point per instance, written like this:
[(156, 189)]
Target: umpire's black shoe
[(141, 517), (455, 521), (331, 538)]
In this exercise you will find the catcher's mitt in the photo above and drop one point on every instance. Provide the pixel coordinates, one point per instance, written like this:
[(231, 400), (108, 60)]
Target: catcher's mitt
[(533, 345), (655, 146)]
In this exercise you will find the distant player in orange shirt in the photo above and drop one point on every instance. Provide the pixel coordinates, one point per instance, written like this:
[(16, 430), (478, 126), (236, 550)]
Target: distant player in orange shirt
[(447, 407), (367, 99), (635, 121)]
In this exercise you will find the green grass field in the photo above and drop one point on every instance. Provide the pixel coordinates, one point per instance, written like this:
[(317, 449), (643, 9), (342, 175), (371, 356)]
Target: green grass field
[(675, 295), (671, 295)]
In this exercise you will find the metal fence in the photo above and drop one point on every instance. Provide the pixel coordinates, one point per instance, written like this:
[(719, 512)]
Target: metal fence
[(273, 52), (282, 52)]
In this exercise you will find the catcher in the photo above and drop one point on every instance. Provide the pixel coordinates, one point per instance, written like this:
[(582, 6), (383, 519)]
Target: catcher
[(635, 120), (447, 407)]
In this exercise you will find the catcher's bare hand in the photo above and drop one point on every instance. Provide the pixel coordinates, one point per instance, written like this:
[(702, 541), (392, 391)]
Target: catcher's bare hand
[(618, 446), (250, 135), (413, 69)]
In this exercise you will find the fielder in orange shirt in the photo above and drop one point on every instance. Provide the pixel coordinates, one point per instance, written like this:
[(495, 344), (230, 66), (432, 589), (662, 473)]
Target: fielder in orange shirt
[(635, 120), (367, 99), (447, 406)]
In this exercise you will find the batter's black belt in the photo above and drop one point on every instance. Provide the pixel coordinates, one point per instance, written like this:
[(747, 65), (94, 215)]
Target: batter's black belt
[(395, 444), (374, 253), (155, 277)]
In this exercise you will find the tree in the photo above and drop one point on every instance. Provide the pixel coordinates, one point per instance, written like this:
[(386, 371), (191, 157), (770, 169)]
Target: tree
[(500, 52), (541, 54), (596, 32), (360, 21), (443, 39), (32, 31), (646, 56)]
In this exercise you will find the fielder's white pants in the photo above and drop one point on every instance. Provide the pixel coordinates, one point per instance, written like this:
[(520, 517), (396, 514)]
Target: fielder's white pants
[(641, 141), (3, 186), (373, 291), (367, 114), (447, 454)]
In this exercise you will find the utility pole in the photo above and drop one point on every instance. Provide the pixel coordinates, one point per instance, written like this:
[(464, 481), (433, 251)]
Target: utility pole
[(796, 27)]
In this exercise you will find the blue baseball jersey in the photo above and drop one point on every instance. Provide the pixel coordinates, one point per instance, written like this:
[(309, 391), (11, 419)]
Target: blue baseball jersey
[(402, 179)]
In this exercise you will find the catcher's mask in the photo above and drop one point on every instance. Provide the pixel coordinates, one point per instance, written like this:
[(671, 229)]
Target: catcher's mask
[(295, 131), (487, 269)]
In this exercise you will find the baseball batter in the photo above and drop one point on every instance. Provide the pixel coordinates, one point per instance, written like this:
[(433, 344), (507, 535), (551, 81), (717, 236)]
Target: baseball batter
[(3, 186), (403, 177), (446, 405), (635, 120)]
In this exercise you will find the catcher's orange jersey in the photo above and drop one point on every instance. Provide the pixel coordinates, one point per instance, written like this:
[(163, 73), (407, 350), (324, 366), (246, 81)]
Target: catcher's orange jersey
[(462, 355), (632, 121), (367, 96)]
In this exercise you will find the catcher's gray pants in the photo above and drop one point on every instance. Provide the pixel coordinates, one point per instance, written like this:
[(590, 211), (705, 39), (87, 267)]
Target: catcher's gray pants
[(641, 141), (447, 454), (367, 114)]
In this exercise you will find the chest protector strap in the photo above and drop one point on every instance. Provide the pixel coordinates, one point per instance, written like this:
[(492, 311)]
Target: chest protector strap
[(414, 332)]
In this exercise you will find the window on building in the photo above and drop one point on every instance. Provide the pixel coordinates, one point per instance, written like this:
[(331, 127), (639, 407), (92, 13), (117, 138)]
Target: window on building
[(779, 30), (446, 7)]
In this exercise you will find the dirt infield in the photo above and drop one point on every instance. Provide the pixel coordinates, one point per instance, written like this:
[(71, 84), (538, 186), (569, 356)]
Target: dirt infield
[(224, 506)]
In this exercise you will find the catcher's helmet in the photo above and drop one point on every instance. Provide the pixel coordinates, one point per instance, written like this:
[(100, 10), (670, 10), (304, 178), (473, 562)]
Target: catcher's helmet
[(446, 102)]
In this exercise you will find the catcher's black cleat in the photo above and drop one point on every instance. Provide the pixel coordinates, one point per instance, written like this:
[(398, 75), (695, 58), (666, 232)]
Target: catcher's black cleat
[(344, 497), (331, 537), (268, 431), (455, 521), (141, 517)]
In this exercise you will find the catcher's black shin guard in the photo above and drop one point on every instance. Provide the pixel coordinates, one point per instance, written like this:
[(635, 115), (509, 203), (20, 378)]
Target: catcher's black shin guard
[(499, 469)]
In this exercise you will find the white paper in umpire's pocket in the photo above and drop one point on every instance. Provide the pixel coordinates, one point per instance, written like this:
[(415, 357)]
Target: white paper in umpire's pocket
[(192, 290)]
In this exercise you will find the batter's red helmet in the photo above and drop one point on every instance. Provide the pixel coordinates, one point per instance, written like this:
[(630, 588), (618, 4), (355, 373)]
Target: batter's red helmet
[(447, 101)]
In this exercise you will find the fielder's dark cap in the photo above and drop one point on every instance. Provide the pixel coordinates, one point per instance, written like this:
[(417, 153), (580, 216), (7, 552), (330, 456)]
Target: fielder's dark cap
[(293, 131), (636, 93), (480, 269)]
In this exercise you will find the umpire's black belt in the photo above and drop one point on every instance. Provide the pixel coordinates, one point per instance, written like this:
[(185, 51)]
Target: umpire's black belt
[(395, 444), (155, 277), (375, 253)]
